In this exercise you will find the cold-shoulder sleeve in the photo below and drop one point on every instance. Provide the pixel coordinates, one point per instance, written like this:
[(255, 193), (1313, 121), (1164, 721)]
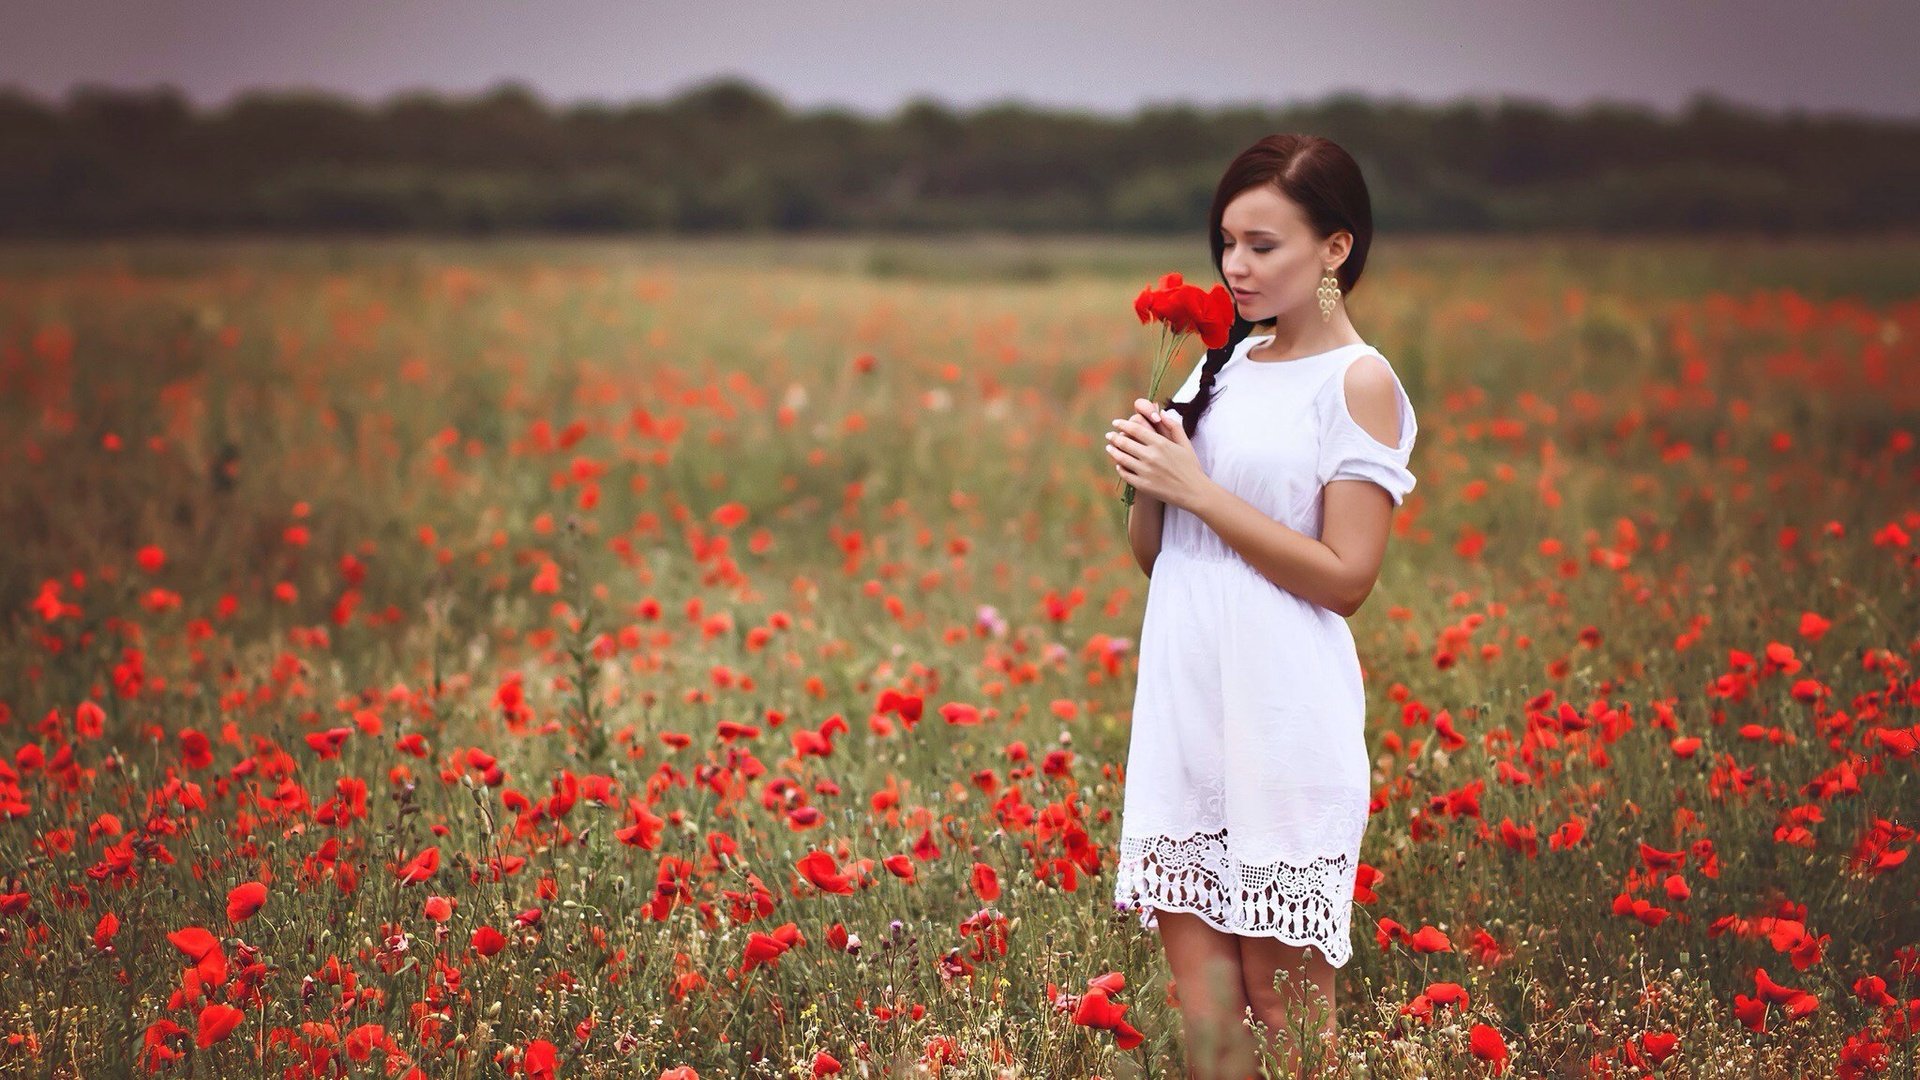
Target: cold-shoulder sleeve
[(1349, 452)]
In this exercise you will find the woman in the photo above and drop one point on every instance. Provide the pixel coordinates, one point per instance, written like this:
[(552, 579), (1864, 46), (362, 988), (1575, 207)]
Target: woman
[(1261, 518)]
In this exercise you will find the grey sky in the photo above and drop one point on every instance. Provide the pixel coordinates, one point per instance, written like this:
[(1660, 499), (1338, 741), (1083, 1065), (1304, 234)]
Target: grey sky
[(1110, 55)]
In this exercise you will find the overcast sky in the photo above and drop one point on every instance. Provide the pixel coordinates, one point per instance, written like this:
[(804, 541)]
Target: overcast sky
[(1104, 55)]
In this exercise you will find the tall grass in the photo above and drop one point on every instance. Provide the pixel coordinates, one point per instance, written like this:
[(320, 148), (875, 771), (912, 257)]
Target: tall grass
[(624, 577)]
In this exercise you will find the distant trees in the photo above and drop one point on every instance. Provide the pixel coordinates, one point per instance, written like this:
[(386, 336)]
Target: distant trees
[(729, 156)]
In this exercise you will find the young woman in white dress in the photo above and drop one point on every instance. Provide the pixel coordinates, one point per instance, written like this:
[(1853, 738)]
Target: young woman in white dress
[(1260, 530)]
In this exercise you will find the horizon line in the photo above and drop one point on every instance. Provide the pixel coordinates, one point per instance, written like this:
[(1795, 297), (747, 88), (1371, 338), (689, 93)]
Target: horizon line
[(515, 86)]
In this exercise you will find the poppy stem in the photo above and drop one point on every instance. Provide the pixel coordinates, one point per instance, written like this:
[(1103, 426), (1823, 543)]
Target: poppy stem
[(727, 1028)]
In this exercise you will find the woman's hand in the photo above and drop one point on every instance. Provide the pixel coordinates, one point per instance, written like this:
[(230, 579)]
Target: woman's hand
[(1150, 450)]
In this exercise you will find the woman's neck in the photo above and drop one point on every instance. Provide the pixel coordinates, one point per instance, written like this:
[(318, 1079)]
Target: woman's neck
[(1309, 340)]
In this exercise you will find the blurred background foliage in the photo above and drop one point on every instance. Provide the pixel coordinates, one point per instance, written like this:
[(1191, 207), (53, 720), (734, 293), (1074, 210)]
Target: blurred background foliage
[(727, 156)]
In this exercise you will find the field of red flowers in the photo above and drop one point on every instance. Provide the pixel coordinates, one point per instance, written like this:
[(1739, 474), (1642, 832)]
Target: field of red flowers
[(707, 660)]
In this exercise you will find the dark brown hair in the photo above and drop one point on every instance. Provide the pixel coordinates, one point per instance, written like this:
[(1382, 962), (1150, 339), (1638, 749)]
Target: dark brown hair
[(1326, 183)]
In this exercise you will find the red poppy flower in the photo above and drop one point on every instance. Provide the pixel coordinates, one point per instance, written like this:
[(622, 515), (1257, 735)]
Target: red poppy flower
[(986, 883), (819, 868), (420, 867), (487, 941), (1487, 1045), (216, 1023), (244, 900), (1187, 309), (1181, 309)]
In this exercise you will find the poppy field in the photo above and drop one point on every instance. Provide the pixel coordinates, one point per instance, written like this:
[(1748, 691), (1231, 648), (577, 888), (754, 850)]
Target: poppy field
[(713, 658)]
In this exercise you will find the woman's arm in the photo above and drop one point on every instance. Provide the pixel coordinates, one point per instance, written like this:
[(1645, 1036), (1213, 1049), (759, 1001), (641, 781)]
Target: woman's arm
[(1291, 559), (1339, 570), (1144, 518)]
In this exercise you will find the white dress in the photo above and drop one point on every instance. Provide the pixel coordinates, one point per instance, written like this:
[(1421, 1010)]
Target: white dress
[(1246, 789)]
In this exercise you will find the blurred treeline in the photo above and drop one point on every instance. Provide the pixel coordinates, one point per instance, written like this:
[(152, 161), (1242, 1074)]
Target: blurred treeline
[(727, 155)]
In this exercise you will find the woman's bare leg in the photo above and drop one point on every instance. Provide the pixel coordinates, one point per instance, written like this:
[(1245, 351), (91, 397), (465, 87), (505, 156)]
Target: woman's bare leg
[(1300, 1010), (1213, 1001)]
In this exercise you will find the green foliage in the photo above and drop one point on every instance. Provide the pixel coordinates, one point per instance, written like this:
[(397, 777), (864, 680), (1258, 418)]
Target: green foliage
[(728, 156)]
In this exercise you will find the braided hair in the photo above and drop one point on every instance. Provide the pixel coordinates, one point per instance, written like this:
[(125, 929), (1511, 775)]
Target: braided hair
[(1319, 176), (1189, 411)]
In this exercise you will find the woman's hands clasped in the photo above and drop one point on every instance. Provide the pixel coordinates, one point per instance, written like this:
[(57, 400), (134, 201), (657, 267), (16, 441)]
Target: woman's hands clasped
[(1150, 450)]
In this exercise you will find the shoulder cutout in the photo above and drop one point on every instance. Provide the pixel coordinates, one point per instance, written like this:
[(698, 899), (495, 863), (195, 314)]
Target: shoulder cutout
[(1368, 427), (1371, 399)]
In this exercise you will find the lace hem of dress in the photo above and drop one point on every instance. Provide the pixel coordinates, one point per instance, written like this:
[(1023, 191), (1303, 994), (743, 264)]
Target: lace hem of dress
[(1307, 904)]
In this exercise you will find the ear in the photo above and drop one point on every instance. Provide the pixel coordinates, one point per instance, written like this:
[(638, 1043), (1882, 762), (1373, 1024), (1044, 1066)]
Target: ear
[(1339, 245)]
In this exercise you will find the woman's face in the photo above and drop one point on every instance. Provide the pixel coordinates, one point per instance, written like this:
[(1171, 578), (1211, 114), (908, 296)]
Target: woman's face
[(1271, 259)]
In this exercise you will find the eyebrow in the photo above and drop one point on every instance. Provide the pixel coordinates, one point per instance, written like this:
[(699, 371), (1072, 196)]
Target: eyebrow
[(1257, 232)]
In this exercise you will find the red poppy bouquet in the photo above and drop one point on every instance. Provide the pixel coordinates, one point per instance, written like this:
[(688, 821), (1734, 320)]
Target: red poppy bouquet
[(1181, 309)]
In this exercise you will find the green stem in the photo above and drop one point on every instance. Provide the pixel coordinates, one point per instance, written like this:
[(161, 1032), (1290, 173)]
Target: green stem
[(1161, 361)]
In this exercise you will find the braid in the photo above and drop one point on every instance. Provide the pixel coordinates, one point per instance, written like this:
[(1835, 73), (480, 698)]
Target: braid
[(1191, 411)]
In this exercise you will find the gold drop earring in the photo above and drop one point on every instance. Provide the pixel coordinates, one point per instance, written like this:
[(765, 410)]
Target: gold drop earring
[(1329, 293)]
